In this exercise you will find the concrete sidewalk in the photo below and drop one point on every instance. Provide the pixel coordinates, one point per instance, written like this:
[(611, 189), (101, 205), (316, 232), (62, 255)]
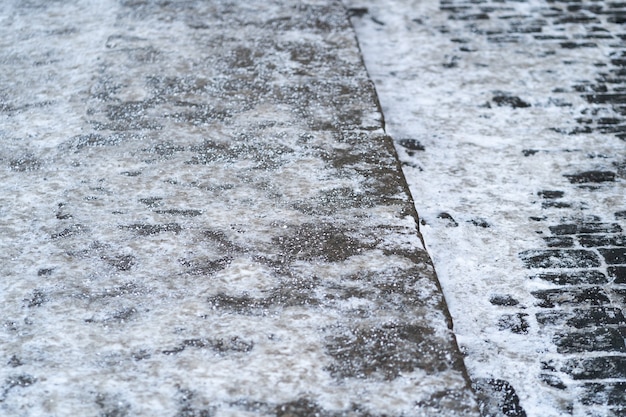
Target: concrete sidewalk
[(201, 215)]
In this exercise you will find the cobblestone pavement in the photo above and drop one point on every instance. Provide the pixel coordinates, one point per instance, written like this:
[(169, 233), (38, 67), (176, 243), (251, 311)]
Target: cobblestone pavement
[(510, 120), (201, 216)]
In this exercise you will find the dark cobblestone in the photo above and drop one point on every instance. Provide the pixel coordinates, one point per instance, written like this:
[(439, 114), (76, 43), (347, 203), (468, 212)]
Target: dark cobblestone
[(585, 228), (503, 300), (597, 316), (575, 296), (600, 241), (411, 144), (560, 258), (591, 176), (603, 367), (551, 194), (617, 411), (553, 381), (606, 98), (516, 323), (619, 295), (555, 204), (614, 256), (564, 229), (588, 277), (551, 318), (511, 101), (581, 318), (610, 393), (618, 273), (498, 398), (559, 242), (598, 340)]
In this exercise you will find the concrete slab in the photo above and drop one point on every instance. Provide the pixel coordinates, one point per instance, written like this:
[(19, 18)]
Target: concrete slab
[(201, 215)]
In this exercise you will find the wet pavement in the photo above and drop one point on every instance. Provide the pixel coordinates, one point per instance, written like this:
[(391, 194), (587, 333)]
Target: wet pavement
[(201, 215)]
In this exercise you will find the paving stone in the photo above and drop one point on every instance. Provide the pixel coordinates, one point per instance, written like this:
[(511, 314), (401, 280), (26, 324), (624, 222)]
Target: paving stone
[(503, 300), (553, 381), (614, 256), (602, 367), (607, 411), (449, 218), (552, 318), (599, 340), (511, 101), (606, 98), (619, 294), (591, 177), (555, 204), (560, 258), (604, 394), (589, 241), (618, 273), (582, 318), (559, 241), (389, 350), (551, 194), (498, 398), (564, 229), (585, 228), (411, 144), (584, 277), (596, 316), (516, 323), (575, 296)]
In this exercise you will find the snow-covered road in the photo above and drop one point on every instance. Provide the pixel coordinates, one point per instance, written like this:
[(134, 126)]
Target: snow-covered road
[(507, 119)]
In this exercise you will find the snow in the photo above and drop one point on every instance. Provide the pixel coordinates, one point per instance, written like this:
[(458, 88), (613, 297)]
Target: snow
[(474, 170), (201, 215)]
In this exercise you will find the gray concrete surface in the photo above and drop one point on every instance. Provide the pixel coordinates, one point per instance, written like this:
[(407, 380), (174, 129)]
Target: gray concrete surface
[(201, 215)]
